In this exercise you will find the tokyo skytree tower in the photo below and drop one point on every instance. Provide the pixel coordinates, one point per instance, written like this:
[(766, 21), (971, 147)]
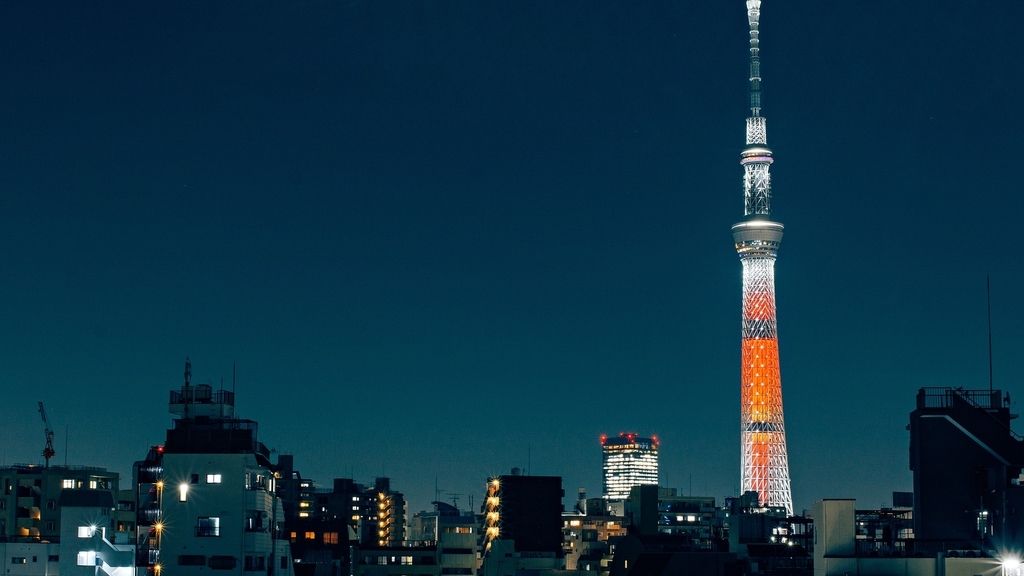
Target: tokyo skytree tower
[(764, 462)]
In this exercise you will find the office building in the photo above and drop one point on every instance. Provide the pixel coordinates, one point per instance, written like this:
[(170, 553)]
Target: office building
[(628, 460)]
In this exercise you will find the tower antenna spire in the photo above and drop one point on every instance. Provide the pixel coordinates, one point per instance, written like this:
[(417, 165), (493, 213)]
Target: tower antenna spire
[(764, 461), (753, 19), (988, 299)]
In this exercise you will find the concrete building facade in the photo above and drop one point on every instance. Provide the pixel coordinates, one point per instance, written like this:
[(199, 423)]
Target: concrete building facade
[(219, 509), (30, 495)]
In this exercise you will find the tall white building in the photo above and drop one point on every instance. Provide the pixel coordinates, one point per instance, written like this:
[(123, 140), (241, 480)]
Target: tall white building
[(219, 510), (628, 460)]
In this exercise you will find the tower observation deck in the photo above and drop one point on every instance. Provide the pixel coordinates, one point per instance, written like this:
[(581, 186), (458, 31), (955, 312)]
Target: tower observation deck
[(764, 465)]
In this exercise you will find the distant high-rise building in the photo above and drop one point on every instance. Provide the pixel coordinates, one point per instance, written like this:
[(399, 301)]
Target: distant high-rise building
[(629, 460), (384, 515), (764, 465)]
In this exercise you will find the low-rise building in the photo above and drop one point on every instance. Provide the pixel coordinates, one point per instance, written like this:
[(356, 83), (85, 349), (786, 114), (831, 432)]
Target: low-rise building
[(30, 494)]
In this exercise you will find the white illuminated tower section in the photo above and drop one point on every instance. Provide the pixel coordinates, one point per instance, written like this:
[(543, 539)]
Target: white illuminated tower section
[(764, 462), (628, 460)]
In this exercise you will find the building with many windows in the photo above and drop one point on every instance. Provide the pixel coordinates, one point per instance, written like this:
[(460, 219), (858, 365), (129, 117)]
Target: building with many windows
[(696, 519), (30, 496), (82, 546), (628, 460)]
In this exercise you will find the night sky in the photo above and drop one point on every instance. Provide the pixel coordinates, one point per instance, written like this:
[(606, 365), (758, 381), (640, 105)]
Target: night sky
[(441, 239)]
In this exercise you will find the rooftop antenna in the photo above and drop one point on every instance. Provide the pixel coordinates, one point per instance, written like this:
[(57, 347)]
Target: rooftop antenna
[(988, 298), (188, 384)]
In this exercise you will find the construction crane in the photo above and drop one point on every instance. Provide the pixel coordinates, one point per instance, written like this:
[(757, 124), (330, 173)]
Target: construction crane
[(48, 451)]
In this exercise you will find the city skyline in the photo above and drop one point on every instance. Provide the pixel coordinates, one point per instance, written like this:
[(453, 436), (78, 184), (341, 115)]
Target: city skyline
[(488, 220)]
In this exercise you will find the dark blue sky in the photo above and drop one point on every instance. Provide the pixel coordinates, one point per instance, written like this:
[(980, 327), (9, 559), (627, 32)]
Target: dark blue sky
[(441, 239)]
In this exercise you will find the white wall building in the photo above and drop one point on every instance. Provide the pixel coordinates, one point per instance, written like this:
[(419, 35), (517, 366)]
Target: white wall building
[(219, 510), (835, 551), (83, 547)]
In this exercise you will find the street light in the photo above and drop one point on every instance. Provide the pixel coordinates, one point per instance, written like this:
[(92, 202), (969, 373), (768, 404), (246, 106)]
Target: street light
[(1010, 565)]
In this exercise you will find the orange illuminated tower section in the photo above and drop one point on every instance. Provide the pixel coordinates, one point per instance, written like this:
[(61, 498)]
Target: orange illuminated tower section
[(764, 463)]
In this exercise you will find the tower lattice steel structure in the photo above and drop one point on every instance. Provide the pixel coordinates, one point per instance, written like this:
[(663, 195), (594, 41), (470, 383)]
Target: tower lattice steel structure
[(764, 462)]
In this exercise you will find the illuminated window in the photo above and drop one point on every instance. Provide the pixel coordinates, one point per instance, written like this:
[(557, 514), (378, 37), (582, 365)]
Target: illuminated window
[(182, 492), (330, 537), (86, 558), (303, 514), (92, 484), (86, 531), (407, 560), (310, 535), (213, 478), (68, 483), (304, 504), (293, 536), (208, 526)]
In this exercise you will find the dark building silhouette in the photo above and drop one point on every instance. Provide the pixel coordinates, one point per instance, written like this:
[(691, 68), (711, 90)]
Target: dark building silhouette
[(529, 511), (148, 478), (319, 524), (967, 467)]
